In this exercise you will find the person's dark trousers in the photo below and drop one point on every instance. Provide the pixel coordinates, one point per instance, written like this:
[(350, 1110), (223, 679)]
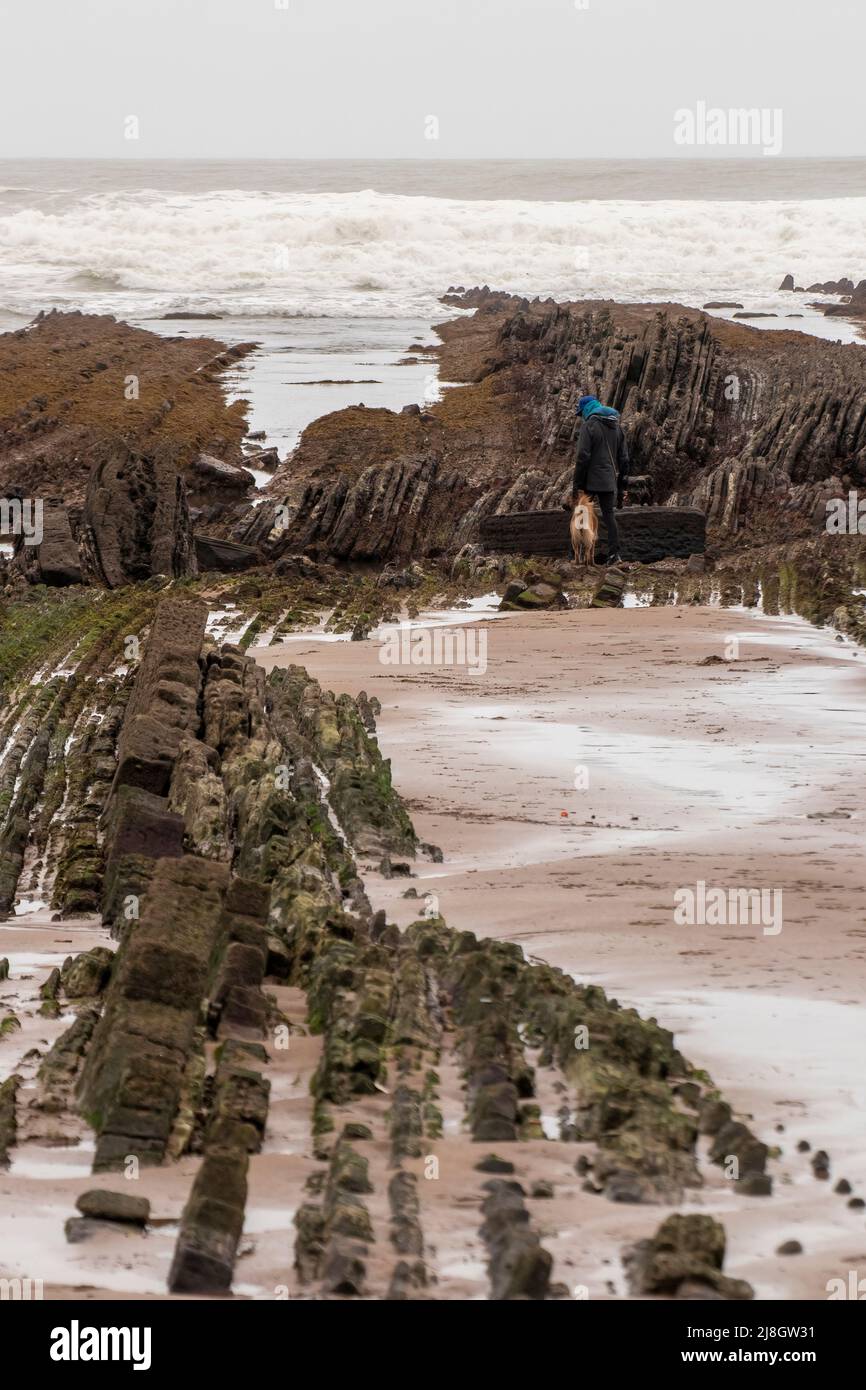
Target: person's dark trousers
[(606, 502)]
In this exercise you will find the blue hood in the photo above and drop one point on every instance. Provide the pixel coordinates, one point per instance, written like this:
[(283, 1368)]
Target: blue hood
[(590, 405)]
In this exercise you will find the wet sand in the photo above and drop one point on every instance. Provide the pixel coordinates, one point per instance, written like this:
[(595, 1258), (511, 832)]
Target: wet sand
[(742, 773)]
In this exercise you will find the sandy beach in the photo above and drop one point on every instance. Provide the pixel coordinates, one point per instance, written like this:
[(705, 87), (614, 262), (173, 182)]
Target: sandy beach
[(741, 773)]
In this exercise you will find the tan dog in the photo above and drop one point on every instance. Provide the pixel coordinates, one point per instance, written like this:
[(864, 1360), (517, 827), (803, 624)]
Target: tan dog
[(584, 529)]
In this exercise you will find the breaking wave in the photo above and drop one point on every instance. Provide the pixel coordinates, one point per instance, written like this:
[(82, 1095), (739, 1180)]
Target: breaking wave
[(389, 255)]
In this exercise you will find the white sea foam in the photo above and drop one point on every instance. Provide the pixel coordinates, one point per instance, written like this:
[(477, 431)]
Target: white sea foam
[(367, 253)]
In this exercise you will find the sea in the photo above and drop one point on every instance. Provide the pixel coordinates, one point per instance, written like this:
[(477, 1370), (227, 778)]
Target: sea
[(337, 267)]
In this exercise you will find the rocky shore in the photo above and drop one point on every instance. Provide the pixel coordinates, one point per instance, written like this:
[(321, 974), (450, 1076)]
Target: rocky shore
[(853, 297), (759, 431), (244, 1029)]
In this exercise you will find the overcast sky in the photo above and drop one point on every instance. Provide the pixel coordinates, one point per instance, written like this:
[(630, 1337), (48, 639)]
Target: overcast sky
[(359, 78)]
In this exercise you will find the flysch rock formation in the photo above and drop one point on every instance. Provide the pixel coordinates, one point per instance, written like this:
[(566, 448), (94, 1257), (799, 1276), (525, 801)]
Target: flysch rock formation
[(122, 435), (754, 429)]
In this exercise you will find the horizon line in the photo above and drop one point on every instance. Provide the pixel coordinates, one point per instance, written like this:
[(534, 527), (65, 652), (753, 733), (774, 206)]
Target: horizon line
[(756, 156)]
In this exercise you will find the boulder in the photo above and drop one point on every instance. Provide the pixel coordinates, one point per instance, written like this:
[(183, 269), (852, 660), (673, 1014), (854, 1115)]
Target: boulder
[(610, 591), (228, 475), (163, 708), (519, 1266), (103, 1205), (533, 596), (409, 1278), (406, 1234), (296, 567), (265, 459), (492, 1163), (212, 553), (356, 1130), (735, 1140), (136, 522), (391, 578), (856, 305), (494, 1113), (131, 1085), (309, 1241), (624, 1185), (238, 1006), (843, 286), (755, 1185), (685, 1252), (240, 1107), (542, 1189), (211, 1226), (86, 975), (198, 795), (138, 829), (54, 560), (712, 1115), (344, 1269)]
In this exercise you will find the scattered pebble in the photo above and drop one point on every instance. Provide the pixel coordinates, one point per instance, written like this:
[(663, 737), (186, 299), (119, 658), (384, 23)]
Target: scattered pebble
[(353, 1130), (492, 1163), (542, 1188)]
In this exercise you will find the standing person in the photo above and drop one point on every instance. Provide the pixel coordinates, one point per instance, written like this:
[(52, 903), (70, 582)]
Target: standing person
[(601, 465)]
